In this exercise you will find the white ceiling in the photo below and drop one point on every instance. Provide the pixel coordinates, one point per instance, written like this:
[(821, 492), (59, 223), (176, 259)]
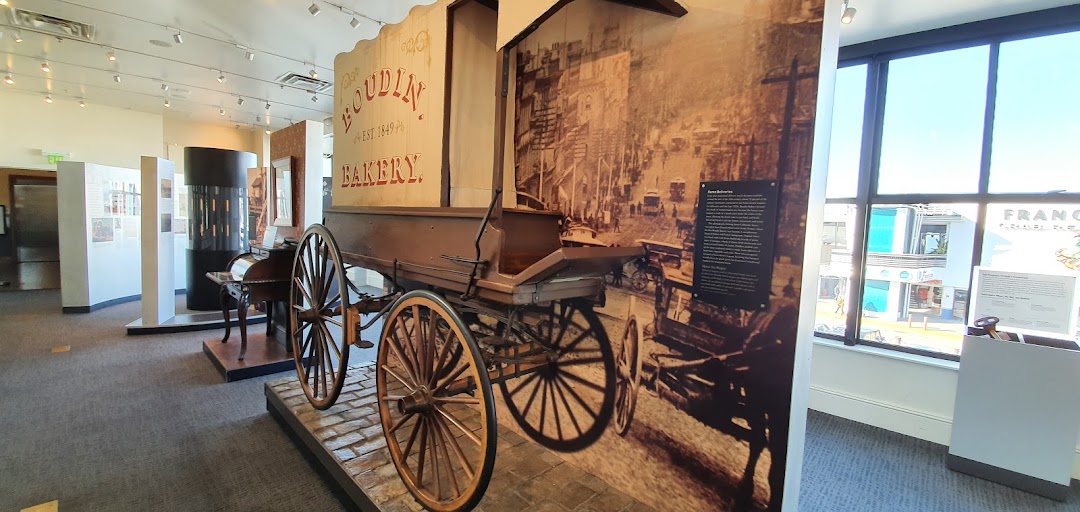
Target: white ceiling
[(878, 19), (282, 34)]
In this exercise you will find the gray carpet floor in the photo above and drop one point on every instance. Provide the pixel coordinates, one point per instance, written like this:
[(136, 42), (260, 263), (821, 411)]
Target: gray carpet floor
[(146, 423)]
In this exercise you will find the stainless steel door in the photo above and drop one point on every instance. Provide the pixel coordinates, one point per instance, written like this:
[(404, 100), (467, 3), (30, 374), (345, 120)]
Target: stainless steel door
[(34, 221)]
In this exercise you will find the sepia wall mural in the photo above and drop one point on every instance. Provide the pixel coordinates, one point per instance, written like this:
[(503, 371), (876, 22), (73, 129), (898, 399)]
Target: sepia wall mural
[(619, 115)]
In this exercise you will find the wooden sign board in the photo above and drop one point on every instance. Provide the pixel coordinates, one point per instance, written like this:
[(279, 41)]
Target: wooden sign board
[(388, 114)]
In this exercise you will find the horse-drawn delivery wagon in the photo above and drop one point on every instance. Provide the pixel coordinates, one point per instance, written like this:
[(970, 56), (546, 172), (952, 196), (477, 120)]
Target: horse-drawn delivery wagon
[(481, 291)]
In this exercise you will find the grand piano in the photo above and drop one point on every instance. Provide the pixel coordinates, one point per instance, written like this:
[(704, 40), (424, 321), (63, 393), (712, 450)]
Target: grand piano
[(261, 275)]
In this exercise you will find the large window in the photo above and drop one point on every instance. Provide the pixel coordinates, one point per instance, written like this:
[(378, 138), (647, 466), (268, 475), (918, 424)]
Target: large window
[(948, 160)]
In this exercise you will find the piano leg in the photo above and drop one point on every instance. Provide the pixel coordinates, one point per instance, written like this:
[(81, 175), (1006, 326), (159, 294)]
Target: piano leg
[(241, 314), (225, 311), (269, 318)]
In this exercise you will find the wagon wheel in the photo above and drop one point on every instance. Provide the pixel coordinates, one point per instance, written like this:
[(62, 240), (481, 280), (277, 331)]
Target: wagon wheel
[(438, 415), (627, 377), (318, 295), (639, 280), (567, 403)]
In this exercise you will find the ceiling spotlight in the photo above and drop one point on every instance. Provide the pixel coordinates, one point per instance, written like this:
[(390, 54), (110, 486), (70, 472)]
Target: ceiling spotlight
[(82, 103), (355, 22), (221, 77), (116, 77), (314, 9), (258, 119), (8, 80), (167, 104), (267, 105), (48, 98), (165, 87), (268, 131), (250, 55), (179, 38), (4, 3), (314, 98), (111, 55), (17, 36), (221, 111), (239, 100), (313, 73), (45, 67), (849, 14)]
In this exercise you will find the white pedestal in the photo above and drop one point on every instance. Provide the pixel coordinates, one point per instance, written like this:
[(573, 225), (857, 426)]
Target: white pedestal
[(1017, 415)]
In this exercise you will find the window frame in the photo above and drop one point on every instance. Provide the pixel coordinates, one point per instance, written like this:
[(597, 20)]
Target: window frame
[(876, 55)]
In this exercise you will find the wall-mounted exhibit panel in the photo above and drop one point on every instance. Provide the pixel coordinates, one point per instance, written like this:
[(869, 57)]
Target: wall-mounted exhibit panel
[(100, 234)]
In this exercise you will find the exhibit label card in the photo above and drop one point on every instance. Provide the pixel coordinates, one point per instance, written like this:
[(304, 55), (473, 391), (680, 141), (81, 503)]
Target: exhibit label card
[(733, 251), (1026, 302)]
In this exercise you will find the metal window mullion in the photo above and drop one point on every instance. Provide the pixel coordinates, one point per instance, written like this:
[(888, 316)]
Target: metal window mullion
[(984, 171), (869, 159)]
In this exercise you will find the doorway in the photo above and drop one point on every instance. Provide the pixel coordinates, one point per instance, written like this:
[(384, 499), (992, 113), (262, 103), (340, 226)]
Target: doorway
[(34, 235)]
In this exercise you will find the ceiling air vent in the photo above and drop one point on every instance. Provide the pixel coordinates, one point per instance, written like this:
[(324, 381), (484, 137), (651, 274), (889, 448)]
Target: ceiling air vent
[(304, 81), (43, 23)]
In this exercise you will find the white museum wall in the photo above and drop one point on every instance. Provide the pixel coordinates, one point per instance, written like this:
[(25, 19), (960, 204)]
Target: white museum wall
[(95, 272), (96, 133), (910, 394)]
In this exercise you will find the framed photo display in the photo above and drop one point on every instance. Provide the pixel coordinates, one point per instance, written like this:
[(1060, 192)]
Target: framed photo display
[(280, 190)]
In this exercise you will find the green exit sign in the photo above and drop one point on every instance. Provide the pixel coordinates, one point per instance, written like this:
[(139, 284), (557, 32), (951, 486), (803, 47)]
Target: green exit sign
[(55, 158)]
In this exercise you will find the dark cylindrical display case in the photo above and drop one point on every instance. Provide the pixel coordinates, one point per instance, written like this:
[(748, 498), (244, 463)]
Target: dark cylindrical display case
[(217, 222)]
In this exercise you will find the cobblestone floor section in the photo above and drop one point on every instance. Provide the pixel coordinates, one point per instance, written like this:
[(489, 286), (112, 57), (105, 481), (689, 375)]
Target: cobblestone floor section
[(527, 477)]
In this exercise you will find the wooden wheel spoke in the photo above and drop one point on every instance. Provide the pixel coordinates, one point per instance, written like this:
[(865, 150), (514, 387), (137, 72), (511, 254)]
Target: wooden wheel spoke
[(307, 295), (435, 463), (329, 339), (399, 423), (422, 453), (446, 459), (395, 346), (468, 433), (412, 437), (468, 400), (332, 320), (331, 300), (398, 377), (449, 437), (308, 345), (441, 360), (449, 379), (327, 281), (326, 358)]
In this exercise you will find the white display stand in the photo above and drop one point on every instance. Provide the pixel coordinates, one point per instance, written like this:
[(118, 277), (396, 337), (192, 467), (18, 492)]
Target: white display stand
[(158, 286), (98, 208), (1017, 415)]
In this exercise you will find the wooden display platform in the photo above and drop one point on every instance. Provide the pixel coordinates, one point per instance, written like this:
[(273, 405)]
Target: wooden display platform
[(187, 322), (264, 357), (347, 441)]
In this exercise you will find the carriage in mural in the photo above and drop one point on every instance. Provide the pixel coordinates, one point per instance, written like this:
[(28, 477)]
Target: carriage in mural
[(707, 361), (481, 290)]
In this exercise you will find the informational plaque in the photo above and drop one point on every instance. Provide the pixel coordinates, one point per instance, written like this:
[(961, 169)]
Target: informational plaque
[(736, 234), (1041, 304)]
